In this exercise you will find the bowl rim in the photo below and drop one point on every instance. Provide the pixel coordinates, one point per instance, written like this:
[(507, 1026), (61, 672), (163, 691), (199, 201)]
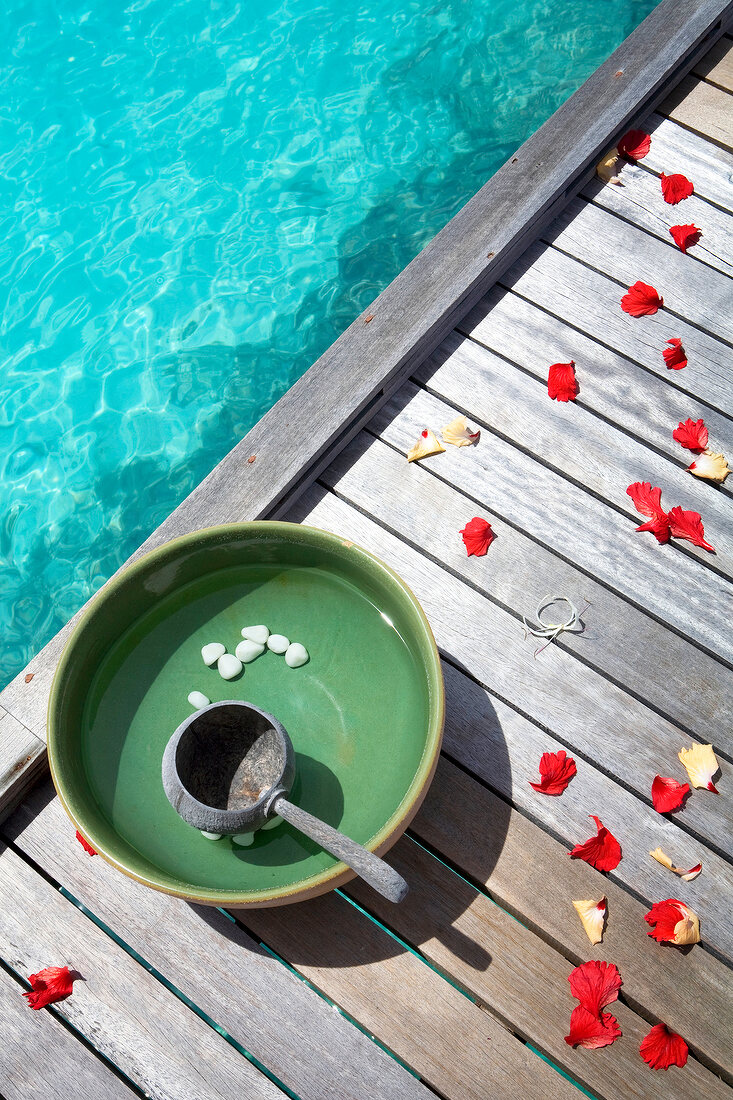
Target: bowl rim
[(395, 825)]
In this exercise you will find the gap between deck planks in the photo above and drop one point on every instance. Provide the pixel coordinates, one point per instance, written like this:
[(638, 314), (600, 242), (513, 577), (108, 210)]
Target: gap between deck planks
[(702, 107), (717, 65)]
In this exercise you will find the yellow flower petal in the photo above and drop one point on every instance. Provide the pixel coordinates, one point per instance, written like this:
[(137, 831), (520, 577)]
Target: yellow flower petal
[(701, 765), (592, 915), (663, 858), (660, 857), (458, 433), (427, 444), (606, 168), (688, 929), (712, 466)]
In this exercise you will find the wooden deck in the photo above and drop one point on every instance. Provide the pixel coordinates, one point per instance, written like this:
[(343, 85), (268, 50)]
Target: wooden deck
[(461, 991)]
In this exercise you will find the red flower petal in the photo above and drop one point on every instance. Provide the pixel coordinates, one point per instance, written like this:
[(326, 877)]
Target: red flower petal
[(595, 984), (561, 382), (675, 188), (666, 915), (55, 983), (602, 851), (668, 794), (477, 536), (647, 500), (85, 844), (635, 145), (659, 526), (685, 236), (663, 1048), (691, 434), (675, 357), (688, 525), (589, 1031), (641, 300), (556, 770)]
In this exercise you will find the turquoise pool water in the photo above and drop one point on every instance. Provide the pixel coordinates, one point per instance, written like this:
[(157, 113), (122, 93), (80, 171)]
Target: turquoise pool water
[(196, 198)]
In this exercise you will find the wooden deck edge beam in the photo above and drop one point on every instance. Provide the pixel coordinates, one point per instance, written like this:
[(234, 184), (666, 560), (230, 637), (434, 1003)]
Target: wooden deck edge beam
[(325, 408)]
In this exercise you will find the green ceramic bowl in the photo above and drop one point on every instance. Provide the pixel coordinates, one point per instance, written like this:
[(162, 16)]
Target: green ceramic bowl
[(365, 714)]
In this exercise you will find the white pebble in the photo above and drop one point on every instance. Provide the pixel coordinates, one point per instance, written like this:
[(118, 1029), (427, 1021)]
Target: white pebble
[(248, 650), (278, 643), (296, 655), (229, 666), (212, 652), (198, 700), (243, 839), (211, 836), (272, 823), (258, 634)]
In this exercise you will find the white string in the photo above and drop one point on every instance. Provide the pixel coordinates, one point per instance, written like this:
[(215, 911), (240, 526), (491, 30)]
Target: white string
[(551, 630)]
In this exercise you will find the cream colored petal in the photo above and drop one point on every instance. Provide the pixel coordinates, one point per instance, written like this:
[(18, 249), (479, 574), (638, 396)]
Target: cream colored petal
[(688, 876), (458, 433), (592, 915), (427, 444), (606, 168), (709, 465), (701, 765), (663, 858), (688, 929), (660, 857)]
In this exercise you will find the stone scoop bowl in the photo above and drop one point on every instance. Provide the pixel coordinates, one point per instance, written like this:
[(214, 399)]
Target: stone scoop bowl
[(229, 767)]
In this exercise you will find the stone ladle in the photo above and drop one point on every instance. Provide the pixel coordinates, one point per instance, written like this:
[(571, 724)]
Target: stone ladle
[(230, 766)]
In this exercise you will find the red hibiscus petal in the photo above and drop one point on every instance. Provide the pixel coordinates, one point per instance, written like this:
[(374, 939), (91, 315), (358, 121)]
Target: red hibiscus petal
[(85, 844), (666, 915), (659, 526), (52, 984), (595, 984), (641, 300), (667, 794), (663, 1048), (688, 525), (556, 771), (675, 188), (635, 145), (647, 500), (685, 236), (591, 1032), (562, 384), (675, 356), (602, 851), (477, 536), (691, 434)]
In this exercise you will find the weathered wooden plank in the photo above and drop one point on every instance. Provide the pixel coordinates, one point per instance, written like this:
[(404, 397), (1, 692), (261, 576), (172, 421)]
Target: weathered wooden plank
[(717, 66), (578, 705), (120, 1008), (503, 748), (669, 584), (691, 291), (675, 149), (502, 963), (39, 1057), (572, 440), (640, 201), (618, 637), (23, 755), (590, 301), (269, 1011), (610, 384), (703, 108), (529, 873)]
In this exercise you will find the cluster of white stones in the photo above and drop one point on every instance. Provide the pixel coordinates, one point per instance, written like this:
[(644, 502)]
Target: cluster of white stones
[(255, 639)]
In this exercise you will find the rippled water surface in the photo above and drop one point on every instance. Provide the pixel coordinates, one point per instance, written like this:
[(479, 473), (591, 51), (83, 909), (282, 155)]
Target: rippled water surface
[(196, 198)]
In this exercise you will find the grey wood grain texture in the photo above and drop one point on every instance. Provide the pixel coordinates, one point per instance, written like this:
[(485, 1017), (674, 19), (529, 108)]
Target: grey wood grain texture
[(703, 108), (502, 963), (669, 584), (572, 440), (590, 301), (120, 1008), (22, 760), (268, 1010), (533, 877), (295, 440), (618, 638), (637, 401), (640, 202), (481, 729), (693, 292), (717, 65), (675, 149), (577, 705), (39, 1057)]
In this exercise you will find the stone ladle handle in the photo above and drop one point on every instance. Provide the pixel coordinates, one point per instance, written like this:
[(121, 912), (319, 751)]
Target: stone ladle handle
[(371, 868)]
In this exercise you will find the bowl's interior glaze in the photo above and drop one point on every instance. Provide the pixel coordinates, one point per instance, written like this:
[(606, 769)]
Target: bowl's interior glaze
[(364, 715)]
